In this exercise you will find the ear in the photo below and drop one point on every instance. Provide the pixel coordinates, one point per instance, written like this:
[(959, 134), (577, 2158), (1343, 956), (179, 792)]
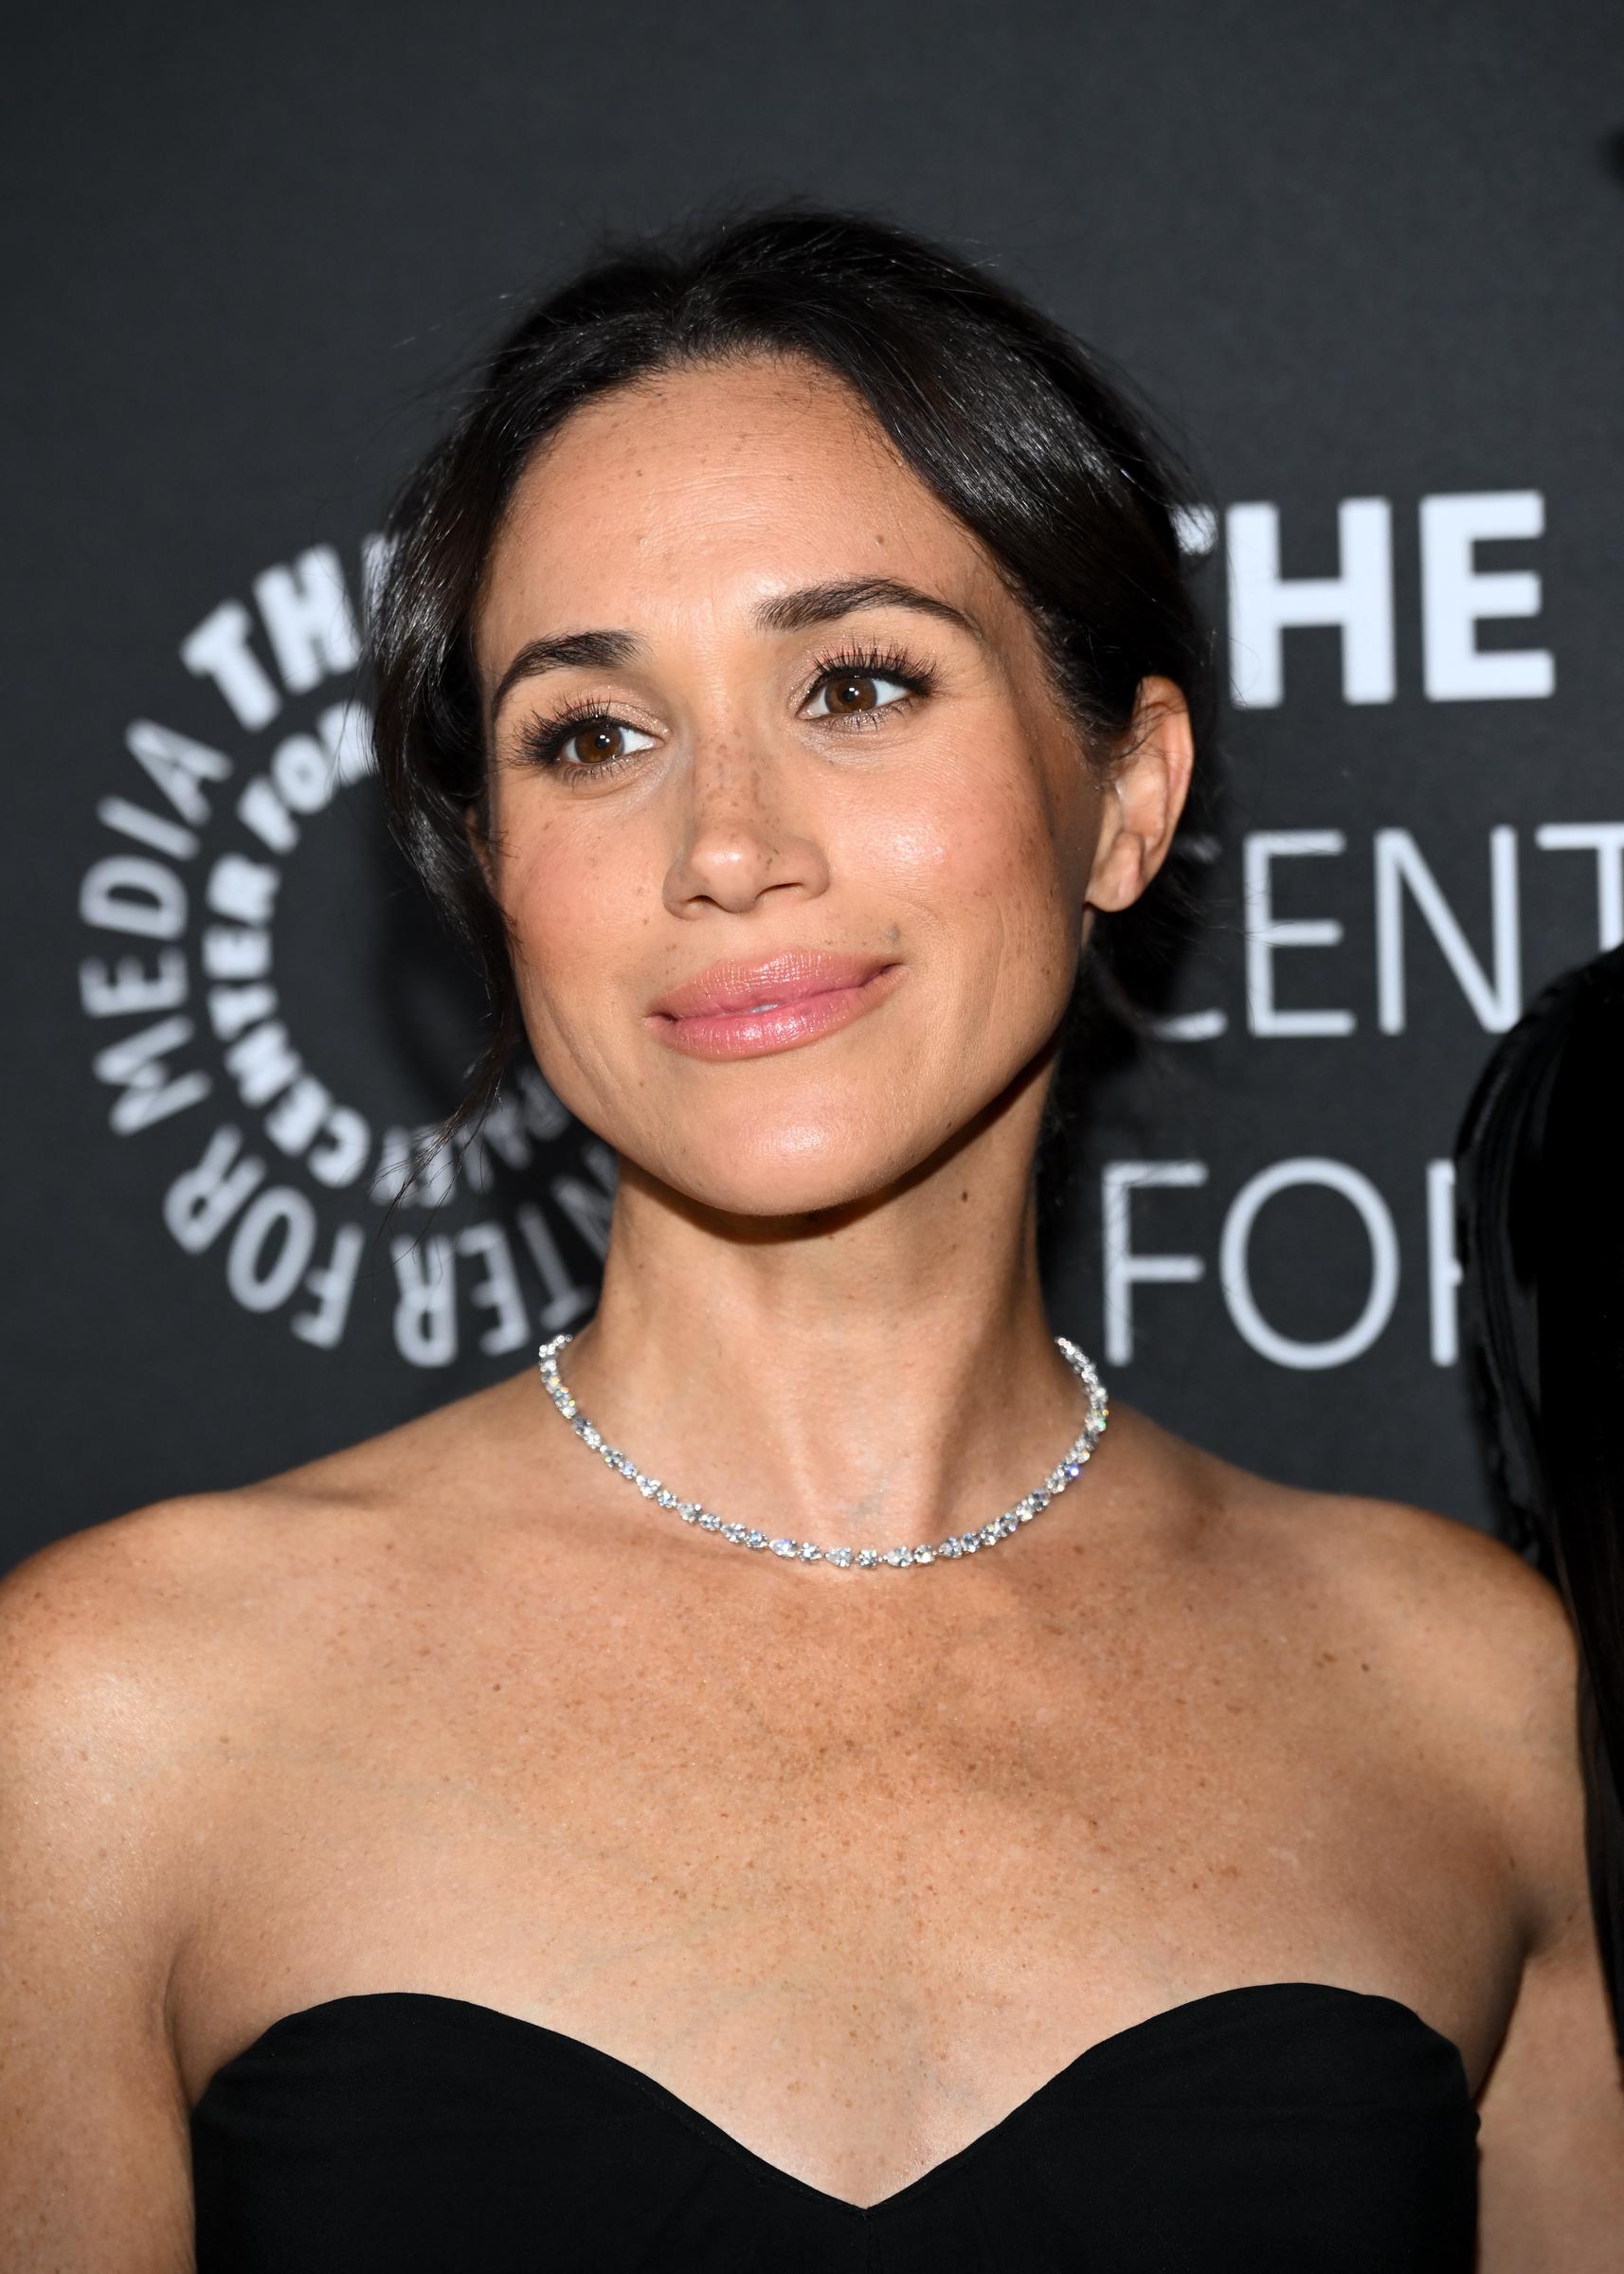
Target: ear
[(1144, 795)]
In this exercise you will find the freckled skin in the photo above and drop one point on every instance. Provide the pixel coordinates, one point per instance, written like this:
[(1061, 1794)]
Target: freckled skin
[(958, 835), (851, 1863)]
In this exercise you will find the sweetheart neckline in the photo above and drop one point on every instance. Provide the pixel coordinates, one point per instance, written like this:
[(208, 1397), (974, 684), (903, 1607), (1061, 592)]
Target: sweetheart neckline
[(762, 2166)]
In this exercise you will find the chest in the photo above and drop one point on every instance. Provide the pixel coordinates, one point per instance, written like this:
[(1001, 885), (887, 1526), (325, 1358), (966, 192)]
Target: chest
[(888, 1848)]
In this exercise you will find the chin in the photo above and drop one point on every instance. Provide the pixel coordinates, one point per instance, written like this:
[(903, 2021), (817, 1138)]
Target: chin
[(795, 1169)]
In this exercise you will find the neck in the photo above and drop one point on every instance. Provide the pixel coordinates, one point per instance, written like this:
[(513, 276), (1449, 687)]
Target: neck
[(880, 1372)]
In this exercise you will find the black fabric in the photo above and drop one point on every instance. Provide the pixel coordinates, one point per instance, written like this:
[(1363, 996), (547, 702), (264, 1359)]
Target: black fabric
[(1283, 2125)]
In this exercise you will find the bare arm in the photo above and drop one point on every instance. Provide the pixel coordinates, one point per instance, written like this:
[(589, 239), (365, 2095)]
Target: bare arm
[(1553, 2124), (94, 2162), (1552, 2108)]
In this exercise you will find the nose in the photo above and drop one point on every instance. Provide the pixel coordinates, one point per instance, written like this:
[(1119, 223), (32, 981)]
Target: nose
[(742, 836)]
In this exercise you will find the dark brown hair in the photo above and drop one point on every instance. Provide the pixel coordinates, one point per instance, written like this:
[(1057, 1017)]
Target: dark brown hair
[(1540, 1232)]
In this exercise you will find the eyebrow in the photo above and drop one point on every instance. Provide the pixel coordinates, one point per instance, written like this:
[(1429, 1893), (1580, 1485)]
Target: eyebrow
[(797, 611)]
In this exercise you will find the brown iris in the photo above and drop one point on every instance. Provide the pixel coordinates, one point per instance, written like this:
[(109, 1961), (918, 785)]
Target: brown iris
[(597, 742), (856, 691)]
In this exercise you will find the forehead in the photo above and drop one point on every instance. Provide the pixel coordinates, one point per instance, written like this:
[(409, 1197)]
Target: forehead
[(710, 487)]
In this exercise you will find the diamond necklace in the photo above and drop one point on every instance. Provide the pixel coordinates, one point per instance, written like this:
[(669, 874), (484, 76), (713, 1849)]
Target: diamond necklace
[(1068, 1466)]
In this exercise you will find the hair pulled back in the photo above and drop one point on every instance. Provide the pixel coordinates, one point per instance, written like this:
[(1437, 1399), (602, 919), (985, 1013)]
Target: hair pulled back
[(1010, 422)]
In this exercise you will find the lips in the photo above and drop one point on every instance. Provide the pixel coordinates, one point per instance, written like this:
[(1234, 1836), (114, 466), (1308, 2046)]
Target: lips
[(747, 1009)]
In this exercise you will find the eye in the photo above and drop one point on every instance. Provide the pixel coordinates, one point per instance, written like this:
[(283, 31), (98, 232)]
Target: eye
[(584, 742), (601, 742), (846, 692)]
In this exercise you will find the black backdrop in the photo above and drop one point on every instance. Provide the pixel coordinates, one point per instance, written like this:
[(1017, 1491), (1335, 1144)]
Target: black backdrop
[(1367, 260)]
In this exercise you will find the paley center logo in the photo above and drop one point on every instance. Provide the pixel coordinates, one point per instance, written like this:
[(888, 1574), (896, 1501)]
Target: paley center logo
[(250, 1000)]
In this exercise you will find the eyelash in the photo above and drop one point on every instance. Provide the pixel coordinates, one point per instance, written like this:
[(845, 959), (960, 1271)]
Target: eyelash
[(541, 742)]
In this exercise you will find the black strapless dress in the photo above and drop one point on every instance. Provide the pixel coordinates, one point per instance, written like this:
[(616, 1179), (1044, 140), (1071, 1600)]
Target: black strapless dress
[(1280, 2128)]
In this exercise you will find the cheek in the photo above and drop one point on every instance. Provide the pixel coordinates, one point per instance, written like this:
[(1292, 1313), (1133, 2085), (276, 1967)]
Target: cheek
[(985, 864), (570, 906), (557, 884), (545, 906)]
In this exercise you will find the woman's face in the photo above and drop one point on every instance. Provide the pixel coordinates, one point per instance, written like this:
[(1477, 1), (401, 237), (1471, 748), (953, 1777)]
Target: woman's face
[(792, 839)]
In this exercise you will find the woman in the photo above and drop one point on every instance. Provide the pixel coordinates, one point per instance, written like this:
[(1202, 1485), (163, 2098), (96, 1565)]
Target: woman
[(446, 1856), (1540, 1229)]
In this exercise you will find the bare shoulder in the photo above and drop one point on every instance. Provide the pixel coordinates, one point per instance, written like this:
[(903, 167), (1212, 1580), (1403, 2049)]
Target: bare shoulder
[(149, 1611), (140, 1659), (103, 1720), (1466, 1612), (116, 1661), (1472, 1650), (1453, 1666), (93, 1625), (1463, 1615)]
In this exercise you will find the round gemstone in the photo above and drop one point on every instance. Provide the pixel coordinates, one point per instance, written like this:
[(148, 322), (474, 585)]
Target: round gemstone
[(866, 1557), (925, 1555), (755, 1539), (709, 1522)]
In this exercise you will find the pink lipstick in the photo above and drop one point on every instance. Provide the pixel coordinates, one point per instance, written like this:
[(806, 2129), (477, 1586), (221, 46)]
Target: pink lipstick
[(747, 1010)]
